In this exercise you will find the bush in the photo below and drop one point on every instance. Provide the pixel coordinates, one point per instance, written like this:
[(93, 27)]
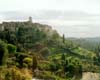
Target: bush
[(44, 66), (14, 73), (45, 52), (45, 75), (19, 58), (27, 62), (54, 67), (11, 48)]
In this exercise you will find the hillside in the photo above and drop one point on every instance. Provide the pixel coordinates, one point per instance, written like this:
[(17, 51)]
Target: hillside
[(85, 57), (87, 43), (37, 50)]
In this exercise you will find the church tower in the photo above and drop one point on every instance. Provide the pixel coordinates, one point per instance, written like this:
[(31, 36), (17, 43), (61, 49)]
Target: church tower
[(30, 19), (63, 38)]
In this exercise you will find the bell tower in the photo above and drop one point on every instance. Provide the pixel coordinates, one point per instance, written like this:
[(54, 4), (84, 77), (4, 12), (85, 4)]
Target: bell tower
[(30, 19)]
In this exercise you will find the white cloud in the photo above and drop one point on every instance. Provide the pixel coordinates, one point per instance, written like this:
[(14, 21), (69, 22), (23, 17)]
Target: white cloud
[(90, 6)]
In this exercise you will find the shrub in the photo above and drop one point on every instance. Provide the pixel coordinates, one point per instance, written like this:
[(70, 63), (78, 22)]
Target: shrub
[(14, 73), (27, 62), (20, 57), (11, 48), (45, 52), (45, 75), (54, 67)]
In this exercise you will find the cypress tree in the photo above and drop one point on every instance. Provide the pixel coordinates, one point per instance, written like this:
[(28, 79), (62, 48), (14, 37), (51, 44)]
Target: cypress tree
[(63, 38)]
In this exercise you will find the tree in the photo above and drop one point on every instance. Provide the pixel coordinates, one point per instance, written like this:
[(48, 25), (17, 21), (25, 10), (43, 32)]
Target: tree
[(63, 57), (9, 36), (34, 65), (3, 53), (63, 38)]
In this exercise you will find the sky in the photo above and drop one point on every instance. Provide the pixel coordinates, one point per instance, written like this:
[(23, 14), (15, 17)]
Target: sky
[(74, 18)]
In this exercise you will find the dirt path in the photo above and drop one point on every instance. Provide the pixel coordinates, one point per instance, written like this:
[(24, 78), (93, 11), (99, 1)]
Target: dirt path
[(90, 76)]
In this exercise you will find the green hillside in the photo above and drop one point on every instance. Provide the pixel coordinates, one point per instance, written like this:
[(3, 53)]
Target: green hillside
[(36, 50), (91, 44), (84, 56)]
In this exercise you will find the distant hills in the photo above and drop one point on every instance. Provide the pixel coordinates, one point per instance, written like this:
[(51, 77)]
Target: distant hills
[(87, 43)]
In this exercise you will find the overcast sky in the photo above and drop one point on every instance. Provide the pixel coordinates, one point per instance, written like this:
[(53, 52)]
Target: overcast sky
[(75, 18)]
